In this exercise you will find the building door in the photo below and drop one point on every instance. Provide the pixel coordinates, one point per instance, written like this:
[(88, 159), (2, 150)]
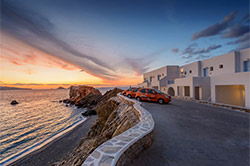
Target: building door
[(230, 94), (246, 65), (197, 93), (205, 72), (187, 91), (171, 91)]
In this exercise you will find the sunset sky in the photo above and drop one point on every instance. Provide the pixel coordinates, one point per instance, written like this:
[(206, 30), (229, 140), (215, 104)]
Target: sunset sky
[(51, 43)]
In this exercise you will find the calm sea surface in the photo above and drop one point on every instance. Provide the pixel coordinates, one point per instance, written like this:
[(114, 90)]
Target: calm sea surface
[(37, 118)]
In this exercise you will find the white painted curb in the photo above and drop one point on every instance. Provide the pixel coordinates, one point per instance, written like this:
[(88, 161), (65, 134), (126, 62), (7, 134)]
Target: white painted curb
[(110, 151)]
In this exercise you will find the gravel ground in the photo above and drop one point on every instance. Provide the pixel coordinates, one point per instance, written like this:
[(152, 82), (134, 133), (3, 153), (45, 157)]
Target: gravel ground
[(193, 134)]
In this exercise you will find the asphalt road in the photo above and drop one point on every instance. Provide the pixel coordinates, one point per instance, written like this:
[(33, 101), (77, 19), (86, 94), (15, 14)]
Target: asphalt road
[(192, 134)]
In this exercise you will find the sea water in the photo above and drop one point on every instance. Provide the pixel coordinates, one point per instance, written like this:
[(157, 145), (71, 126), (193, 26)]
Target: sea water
[(37, 119)]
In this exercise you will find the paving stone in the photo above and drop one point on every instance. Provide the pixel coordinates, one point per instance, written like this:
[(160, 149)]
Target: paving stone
[(138, 131), (144, 129), (134, 135), (96, 154), (89, 159), (136, 127), (110, 149), (106, 160), (114, 140), (124, 138), (121, 143), (125, 133), (107, 143)]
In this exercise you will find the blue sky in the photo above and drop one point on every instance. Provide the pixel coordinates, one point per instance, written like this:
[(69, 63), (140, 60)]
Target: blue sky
[(129, 36)]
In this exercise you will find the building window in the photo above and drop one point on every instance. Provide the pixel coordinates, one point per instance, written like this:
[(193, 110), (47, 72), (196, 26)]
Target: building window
[(159, 77), (190, 71), (150, 79), (211, 68), (246, 66), (221, 66), (162, 74), (205, 72), (185, 72)]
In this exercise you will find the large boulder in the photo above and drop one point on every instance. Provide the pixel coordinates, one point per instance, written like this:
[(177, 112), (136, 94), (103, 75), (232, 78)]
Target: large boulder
[(89, 100), (14, 102), (77, 93), (89, 112), (82, 96)]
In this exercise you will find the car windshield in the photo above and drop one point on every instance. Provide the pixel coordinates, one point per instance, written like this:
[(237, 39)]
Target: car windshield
[(151, 91), (158, 91), (135, 90)]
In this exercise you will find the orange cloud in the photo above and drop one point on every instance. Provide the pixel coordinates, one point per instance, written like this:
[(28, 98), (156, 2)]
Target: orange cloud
[(32, 57), (29, 64)]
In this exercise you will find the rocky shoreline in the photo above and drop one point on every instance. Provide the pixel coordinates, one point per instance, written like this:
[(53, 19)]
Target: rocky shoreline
[(83, 97), (114, 117)]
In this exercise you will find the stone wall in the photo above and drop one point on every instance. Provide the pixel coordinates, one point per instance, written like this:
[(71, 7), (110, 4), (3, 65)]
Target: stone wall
[(134, 150), (114, 117), (122, 148)]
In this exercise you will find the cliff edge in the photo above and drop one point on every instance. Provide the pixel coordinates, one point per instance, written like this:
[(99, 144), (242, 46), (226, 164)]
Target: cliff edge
[(114, 117)]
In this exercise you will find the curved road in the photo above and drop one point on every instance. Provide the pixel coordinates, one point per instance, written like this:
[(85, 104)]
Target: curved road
[(193, 134)]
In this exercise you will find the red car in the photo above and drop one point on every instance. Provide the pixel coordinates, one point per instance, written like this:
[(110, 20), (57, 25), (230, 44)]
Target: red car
[(125, 91), (149, 94), (132, 93)]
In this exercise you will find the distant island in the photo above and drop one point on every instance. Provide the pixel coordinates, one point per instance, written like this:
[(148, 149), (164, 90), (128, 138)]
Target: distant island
[(60, 87), (13, 88)]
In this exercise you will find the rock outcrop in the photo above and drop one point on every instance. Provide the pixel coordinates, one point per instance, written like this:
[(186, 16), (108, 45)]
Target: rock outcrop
[(114, 117), (83, 96), (77, 93), (14, 102), (89, 112), (90, 100)]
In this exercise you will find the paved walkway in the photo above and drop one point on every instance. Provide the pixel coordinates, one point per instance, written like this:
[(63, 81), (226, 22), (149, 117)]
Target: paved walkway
[(192, 134)]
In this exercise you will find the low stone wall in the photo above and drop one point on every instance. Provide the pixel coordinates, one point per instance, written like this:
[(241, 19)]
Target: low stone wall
[(227, 106), (122, 148)]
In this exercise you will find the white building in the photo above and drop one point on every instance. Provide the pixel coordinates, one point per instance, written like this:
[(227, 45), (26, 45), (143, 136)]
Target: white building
[(159, 78), (223, 79)]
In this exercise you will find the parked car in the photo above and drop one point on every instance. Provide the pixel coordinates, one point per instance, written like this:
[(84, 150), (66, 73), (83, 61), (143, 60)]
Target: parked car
[(132, 93), (149, 94), (125, 91)]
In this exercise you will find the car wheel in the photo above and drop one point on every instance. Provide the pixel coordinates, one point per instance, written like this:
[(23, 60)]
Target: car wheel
[(138, 99), (124, 94), (129, 96), (161, 101)]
